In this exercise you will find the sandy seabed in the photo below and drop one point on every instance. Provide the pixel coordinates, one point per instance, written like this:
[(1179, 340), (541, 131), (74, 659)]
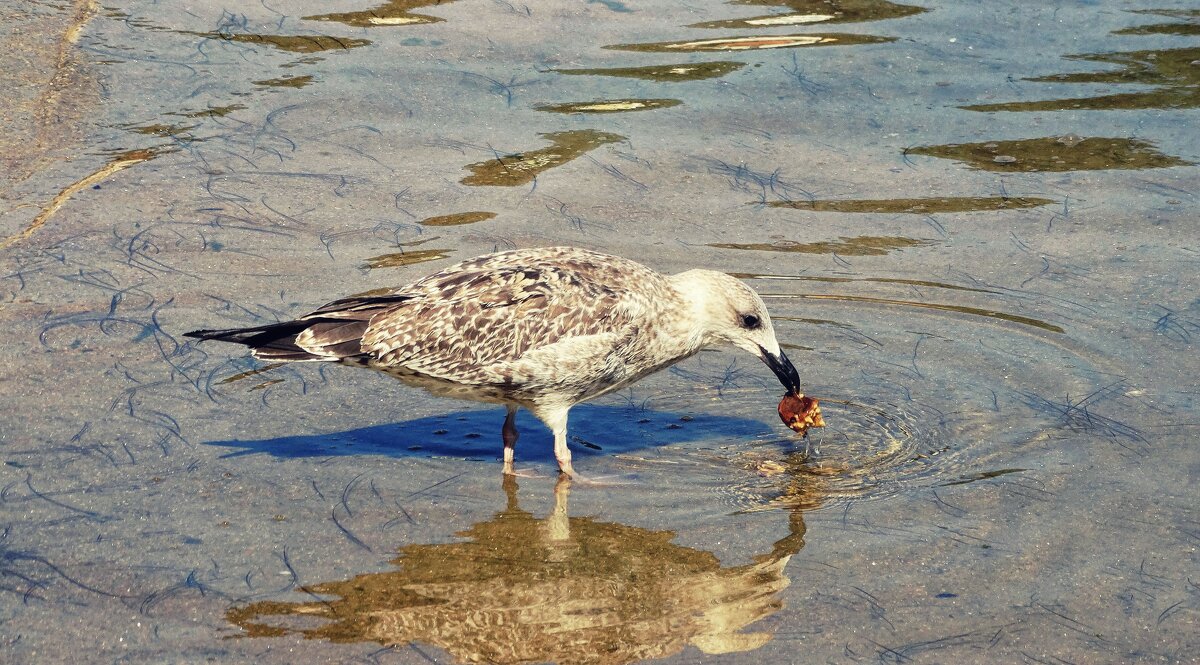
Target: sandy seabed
[(975, 227)]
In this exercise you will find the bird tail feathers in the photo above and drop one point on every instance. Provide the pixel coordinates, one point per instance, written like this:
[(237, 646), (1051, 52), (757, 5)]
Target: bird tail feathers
[(276, 341), (333, 332)]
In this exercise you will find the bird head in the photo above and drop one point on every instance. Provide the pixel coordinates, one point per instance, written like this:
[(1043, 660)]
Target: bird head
[(726, 310)]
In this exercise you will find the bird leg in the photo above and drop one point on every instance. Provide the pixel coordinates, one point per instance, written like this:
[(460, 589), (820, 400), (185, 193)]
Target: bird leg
[(510, 434), (561, 452), (556, 420)]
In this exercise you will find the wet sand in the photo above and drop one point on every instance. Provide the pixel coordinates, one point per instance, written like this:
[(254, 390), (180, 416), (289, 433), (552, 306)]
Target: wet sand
[(978, 246)]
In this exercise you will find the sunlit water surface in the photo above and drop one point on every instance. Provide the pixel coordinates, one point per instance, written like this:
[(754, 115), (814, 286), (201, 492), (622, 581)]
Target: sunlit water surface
[(975, 225)]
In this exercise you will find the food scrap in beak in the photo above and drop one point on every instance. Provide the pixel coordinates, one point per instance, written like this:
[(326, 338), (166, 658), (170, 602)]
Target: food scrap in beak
[(800, 413)]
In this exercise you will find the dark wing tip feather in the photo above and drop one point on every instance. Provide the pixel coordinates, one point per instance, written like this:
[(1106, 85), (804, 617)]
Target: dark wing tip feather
[(274, 341), (333, 332), (252, 336), (211, 334), (329, 339)]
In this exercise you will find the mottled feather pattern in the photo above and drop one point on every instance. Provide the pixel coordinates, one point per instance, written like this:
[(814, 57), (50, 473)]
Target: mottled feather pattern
[(335, 330), (472, 322), (481, 322)]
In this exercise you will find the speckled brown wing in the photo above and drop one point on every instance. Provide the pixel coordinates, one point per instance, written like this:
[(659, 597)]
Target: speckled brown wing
[(335, 331), (469, 321)]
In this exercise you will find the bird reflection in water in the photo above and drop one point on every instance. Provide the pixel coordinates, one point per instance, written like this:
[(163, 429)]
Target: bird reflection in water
[(562, 589)]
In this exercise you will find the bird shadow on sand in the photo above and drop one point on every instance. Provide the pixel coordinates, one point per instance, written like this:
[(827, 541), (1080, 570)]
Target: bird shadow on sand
[(475, 434)]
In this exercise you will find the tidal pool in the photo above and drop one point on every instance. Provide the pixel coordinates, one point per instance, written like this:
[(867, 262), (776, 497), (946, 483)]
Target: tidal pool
[(974, 225)]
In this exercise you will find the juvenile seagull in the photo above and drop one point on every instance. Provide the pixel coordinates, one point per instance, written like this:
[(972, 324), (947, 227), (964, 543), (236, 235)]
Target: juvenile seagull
[(543, 329)]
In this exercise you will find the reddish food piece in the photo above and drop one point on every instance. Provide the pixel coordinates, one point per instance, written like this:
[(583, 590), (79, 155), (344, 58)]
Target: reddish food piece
[(800, 413)]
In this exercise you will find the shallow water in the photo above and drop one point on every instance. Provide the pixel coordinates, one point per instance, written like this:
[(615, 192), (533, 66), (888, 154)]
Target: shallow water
[(975, 227)]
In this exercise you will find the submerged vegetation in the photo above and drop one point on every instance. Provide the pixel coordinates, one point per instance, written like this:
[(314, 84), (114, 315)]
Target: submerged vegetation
[(1054, 153), (522, 167)]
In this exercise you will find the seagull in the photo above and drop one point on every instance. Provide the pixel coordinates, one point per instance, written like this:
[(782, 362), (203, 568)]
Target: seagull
[(542, 329)]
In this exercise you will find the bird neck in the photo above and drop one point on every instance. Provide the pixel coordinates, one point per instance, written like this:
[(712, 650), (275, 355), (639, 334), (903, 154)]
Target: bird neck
[(693, 288)]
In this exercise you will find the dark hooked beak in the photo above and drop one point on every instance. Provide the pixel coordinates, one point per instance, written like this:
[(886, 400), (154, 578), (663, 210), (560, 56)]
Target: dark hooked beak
[(783, 369)]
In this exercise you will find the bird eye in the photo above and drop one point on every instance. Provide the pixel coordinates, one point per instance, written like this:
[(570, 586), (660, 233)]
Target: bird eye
[(751, 321)]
